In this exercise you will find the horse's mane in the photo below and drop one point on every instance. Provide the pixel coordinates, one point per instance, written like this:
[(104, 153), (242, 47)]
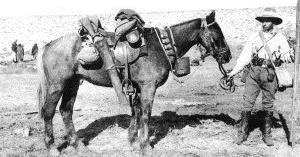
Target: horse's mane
[(185, 22)]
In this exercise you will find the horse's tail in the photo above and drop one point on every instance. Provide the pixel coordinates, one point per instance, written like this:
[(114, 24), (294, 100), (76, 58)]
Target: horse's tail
[(41, 90)]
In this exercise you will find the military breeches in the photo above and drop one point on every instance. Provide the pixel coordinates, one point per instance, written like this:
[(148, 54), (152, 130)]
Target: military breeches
[(260, 79)]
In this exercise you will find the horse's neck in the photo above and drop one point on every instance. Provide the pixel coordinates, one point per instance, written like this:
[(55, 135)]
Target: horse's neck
[(183, 37)]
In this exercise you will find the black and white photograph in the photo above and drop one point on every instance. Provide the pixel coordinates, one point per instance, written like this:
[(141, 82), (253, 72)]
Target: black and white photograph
[(150, 78)]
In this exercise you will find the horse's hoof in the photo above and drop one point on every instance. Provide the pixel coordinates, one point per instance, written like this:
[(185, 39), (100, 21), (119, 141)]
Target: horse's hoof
[(132, 140), (74, 143), (146, 149), (81, 147), (53, 152), (135, 146), (70, 150)]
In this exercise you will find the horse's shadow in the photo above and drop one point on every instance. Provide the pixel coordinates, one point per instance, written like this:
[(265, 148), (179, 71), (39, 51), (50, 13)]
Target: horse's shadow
[(160, 125)]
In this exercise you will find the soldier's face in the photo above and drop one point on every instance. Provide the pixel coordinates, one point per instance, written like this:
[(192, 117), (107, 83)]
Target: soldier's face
[(267, 26)]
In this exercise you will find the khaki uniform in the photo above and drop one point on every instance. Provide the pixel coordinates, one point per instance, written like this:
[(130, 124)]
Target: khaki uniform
[(256, 81), (261, 75)]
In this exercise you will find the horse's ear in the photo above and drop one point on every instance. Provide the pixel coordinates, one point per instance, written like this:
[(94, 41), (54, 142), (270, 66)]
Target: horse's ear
[(211, 17)]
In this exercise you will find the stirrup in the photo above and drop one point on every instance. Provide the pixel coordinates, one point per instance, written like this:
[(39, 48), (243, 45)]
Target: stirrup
[(127, 87)]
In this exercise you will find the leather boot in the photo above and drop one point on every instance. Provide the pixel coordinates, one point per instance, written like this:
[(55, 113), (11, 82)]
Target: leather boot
[(266, 128), (243, 130)]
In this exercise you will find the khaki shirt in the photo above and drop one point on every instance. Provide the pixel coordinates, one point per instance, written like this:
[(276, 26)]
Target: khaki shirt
[(278, 45)]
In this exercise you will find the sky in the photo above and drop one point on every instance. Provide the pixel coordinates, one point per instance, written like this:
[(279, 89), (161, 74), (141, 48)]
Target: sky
[(10, 8)]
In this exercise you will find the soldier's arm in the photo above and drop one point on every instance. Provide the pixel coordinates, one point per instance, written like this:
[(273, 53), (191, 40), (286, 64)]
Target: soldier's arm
[(245, 56), (285, 49)]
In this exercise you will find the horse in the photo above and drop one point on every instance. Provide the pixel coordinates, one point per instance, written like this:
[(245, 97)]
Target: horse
[(60, 74)]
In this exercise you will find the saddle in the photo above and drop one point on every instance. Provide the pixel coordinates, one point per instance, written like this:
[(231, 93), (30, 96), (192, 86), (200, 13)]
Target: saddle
[(124, 53), (129, 37)]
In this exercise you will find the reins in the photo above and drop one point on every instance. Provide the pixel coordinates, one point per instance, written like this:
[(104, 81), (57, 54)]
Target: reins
[(225, 83)]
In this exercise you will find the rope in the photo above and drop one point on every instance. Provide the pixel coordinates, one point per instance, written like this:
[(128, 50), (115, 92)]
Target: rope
[(223, 71), (225, 83)]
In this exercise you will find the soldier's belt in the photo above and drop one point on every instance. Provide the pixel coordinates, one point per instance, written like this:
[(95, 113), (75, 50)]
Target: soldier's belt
[(260, 62)]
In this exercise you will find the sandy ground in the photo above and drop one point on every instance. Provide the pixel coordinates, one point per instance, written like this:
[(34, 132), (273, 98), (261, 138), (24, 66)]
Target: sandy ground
[(196, 118)]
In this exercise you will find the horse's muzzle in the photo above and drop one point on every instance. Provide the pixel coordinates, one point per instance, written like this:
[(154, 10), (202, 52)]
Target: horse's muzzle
[(224, 57)]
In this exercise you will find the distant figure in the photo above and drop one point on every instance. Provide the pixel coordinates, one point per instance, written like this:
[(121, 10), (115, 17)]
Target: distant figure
[(14, 46), (34, 51), (18, 49)]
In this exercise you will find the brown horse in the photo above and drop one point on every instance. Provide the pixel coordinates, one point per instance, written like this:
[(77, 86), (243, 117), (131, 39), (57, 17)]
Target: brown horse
[(61, 73)]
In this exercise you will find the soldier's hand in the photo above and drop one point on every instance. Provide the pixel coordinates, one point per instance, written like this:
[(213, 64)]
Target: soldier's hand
[(288, 58), (231, 75)]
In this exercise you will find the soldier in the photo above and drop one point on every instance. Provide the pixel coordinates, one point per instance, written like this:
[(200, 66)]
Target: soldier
[(261, 76)]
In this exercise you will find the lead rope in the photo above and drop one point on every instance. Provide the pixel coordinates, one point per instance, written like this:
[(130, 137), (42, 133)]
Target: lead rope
[(225, 83)]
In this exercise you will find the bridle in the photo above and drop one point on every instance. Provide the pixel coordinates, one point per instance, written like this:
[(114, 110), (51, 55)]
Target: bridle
[(214, 51), (218, 53)]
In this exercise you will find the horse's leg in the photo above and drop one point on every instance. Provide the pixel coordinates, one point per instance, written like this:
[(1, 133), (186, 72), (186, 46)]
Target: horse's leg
[(66, 109), (147, 96), (135, 114), (51, 95)]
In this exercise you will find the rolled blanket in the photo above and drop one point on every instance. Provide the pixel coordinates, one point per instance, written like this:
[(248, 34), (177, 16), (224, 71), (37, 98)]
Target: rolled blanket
[(126, 20), (91, 24), (129, 14), (123, 27)]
